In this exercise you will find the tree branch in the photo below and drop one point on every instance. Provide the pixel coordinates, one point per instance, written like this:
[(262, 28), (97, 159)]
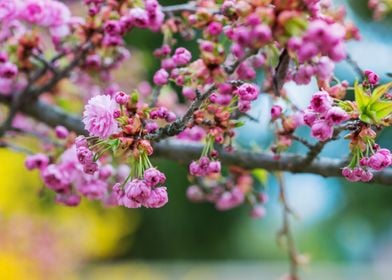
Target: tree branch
[(179, 8), (185, 152)]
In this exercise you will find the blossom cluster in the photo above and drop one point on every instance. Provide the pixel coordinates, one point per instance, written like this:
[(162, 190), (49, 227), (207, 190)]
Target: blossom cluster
[(143, 192), (239, 43), (67, 178), (320, 46), (230, 193), (322, 116)]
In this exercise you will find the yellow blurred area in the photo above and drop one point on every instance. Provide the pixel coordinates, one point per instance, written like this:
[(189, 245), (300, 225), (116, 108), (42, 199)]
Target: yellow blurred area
[(39, 237)]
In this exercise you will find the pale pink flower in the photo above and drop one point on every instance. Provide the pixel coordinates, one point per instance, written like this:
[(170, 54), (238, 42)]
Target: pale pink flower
[(98, 116)]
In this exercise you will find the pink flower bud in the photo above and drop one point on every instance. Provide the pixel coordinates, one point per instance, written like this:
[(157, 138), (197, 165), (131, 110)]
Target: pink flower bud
[(195, 194), (61, 132), (153, 177), (380, 160), (81, 141), (214, 167), (84, 155), (372, 77), (151, 127), (68, 199), (8, 70), (229, 200), (258, 212), (161, 77), (182, 56), (276, 111), (214, 28), (247, 92), (121, 98), (39, 161), (189, 93)]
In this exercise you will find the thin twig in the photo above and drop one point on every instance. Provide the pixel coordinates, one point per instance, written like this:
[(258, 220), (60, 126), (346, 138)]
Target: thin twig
[(302, 141), (281, 72), (179, 8), (286, 231), (354, 65), (16, 148)]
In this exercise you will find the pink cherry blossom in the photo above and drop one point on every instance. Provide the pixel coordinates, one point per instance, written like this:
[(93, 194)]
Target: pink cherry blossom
[(98, 116)]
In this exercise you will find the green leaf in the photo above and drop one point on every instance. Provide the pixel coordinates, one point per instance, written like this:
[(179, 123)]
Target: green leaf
[(379, 91), (381, 109), (361, 97), (261, 175), (365, 118), (295, 26), (239, 124)]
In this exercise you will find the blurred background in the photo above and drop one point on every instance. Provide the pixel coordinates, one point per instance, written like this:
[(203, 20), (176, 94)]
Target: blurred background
[(344, 228)]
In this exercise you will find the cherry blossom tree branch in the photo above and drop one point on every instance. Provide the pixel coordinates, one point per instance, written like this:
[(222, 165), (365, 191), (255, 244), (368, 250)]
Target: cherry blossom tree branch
[(179, 8), (187, 151)]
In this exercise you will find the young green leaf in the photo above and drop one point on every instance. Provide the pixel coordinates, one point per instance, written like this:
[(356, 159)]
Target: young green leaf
[(361, 97), (379, 91), (382, 109)]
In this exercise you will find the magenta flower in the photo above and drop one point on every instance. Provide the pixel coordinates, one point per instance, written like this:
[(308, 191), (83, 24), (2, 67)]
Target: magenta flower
[(309, 117), (84, 155), (90, 168), (380, 160), (320, 102), (39, 161), (8, 9), (189, 93), (81, 141), (195, 169), (138, 17), (229, 200), (157, 198), (276, 111), (322, 130), (247, 92), (214, 167), (153, 177), (93, 189), (350, 175), (122, 98), (8, 70), (61, 132), (55, 178), (161, 77), (214, 28), (113, 27), (182, 56), (372, 77), (33, 11), (195, 194), (98, 116), (137, 190), (336, 115), (68, 199)]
